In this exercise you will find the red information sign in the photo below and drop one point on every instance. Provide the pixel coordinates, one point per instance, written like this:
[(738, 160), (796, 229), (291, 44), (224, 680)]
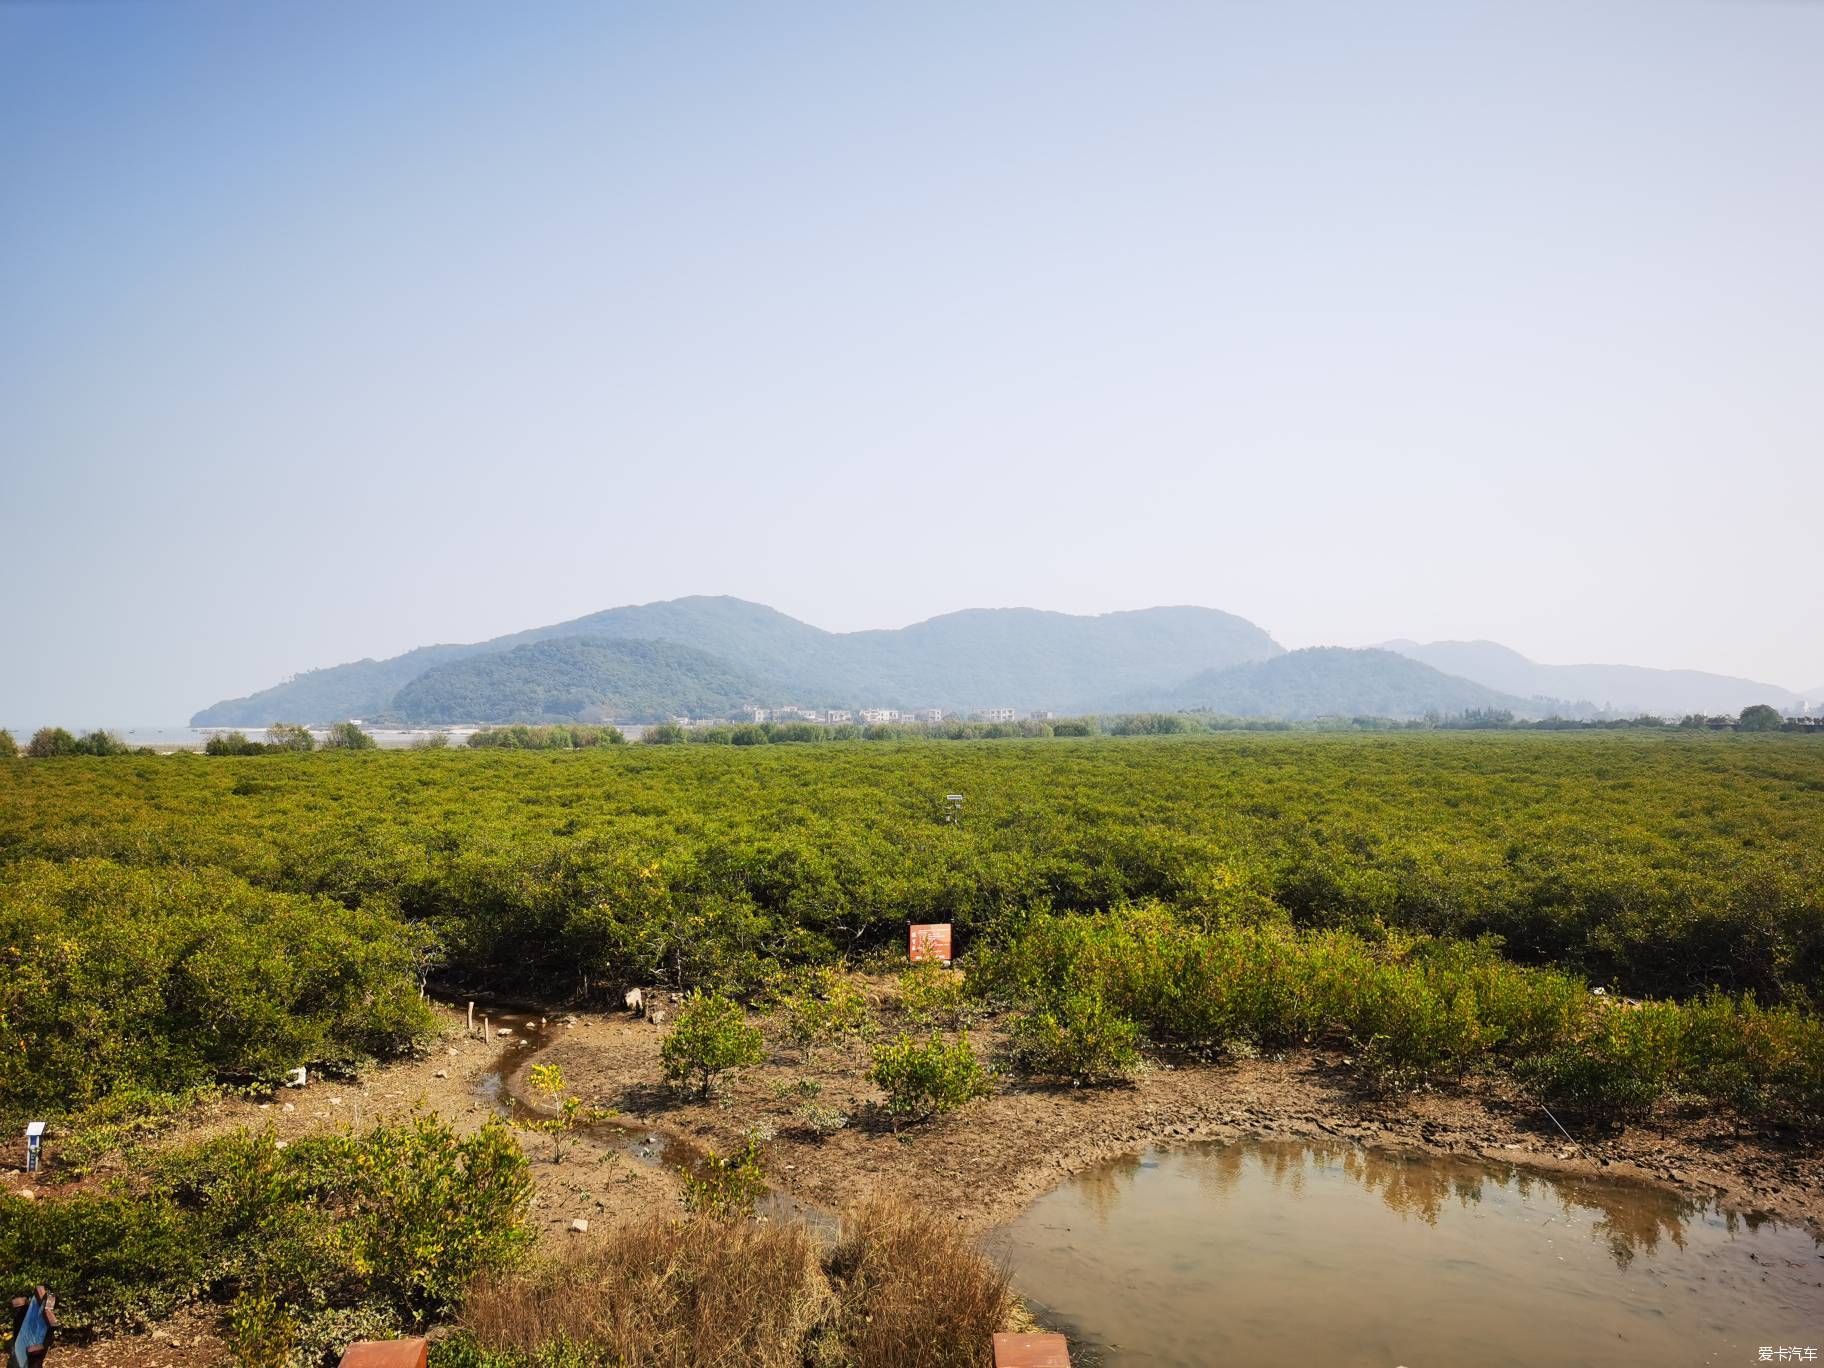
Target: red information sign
[(929, 941), (1031, 1351), (399, 1353)]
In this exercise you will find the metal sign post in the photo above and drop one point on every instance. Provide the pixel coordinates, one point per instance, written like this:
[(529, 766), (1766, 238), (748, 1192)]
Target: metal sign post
[(34, 1142)]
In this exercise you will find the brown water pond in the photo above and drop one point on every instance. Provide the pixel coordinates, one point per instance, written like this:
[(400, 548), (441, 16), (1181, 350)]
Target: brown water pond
[(1295, 1253)]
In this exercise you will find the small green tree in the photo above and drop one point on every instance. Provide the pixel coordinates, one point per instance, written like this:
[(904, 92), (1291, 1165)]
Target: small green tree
[(711, 1038), (922, 1078), (289, 736), (548, 1082), (1760, 717), (665, 734), (47, 742), (348, 736), (99, 742), (9, 748)]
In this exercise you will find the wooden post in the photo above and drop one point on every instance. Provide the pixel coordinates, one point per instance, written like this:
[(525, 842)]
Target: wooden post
[(471, 1018)]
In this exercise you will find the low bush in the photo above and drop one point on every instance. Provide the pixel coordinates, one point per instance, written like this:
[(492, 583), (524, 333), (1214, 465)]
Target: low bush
[(50, 742), (821, 1007), (1412, 1008), (1081, 1038), (932, 995), (399, 1219), (160, 979), (290, 736), (577, 737), (1623, 1063), (348, 736), (725, 1185), (9, 747), (233, 743), (710, 1038), (923, 1078)]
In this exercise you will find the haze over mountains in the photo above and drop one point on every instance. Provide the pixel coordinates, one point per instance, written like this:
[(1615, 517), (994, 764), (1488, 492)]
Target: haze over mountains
[(710, 656), (1614, 688)]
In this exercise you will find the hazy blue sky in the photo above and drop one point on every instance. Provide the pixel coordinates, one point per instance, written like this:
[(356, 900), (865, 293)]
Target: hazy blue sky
[(329, 330)]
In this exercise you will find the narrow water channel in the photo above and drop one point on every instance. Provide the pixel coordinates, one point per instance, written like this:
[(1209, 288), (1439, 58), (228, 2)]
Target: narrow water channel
[(1265, 1253), (501, 1085)]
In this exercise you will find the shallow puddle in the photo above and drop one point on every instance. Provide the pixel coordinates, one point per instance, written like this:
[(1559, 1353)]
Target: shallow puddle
[(1293, 1253)]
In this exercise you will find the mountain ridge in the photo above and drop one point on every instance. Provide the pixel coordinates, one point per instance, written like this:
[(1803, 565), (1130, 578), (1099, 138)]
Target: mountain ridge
[(1616, 688), (1336, 681), (984, 657)]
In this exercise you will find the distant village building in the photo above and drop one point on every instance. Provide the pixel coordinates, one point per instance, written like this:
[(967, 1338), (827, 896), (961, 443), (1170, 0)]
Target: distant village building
[(997, 714), (1046, 716), (837, 716), (757, 715), (930, 714), (874, 717)]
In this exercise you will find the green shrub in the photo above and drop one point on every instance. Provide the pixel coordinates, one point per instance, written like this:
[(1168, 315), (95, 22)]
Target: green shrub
[(9, 748), (162, 979), (922, 1078), (402, 1216), (724, 1186), (711, 1037), (261, 1332), (232, 743), (348, 736), (48, 742), (821, 1007), (665, 734), (1080, 1038), (1618, 1071), (102, 743), (290, 736), (933, 995)]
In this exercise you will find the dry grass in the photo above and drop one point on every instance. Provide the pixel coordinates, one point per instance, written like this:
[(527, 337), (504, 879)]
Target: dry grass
[(900, 1289), (665, 1293), (913, 1292)]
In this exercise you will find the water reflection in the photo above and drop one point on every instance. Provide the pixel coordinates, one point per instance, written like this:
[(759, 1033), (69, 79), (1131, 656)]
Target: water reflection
[(1245, 1252)]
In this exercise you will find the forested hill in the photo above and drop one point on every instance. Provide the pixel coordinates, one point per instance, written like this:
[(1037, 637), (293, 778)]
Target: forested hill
[(1010, 657), (569, 679), (1331, 681)]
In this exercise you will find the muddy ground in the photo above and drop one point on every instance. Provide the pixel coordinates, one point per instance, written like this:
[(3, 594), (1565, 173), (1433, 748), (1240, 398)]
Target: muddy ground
[(984, 1163)]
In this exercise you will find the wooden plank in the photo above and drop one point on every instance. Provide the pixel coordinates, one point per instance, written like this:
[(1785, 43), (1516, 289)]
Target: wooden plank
[(1031, 1351)]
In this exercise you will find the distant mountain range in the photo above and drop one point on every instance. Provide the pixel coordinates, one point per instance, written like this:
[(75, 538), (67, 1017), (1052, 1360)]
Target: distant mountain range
[(981, 658), (710, 656), (1332, 681), (1610, 688)]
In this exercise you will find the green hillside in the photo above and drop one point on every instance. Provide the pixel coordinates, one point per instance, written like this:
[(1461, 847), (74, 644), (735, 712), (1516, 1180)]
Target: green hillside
[(1331, 681), (577, 678)]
